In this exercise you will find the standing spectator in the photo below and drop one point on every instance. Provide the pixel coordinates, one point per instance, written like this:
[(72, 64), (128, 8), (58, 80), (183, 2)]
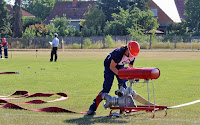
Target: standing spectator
[(0, 50), (54, 46), (5, 47)]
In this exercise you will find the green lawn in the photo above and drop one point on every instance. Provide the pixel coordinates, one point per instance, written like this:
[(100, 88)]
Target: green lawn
[(79, 74)]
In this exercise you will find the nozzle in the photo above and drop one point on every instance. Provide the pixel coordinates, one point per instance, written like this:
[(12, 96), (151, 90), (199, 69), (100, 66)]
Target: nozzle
[(109, 100), (120, 92)]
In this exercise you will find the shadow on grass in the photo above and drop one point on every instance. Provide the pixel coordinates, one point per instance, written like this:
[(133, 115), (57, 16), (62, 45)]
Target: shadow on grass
[(89, 120)]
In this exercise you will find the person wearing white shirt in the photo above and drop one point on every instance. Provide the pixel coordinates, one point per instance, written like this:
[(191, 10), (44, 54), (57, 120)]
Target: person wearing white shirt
[(54, 46)]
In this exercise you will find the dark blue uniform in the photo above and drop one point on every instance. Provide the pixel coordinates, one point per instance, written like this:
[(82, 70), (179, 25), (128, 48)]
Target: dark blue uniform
[(119, 57), (5, 46), (0, 51)]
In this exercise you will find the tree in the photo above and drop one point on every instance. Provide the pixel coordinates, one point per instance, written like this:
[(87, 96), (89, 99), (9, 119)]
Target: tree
[(61, 23), (95, 20), (124, 4), (27, 21), (129, 20), (141, 4), (39, 8), (18, 28), (109, 7), (192, 12), (4, 19), (36, 30), (113, 6), (178, 28), (62, 27), (58, 25)]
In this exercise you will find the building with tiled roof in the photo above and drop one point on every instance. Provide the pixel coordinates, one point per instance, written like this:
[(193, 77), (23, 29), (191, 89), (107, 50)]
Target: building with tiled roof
[(72, 10), (181, 8), (167, 11), (24, 13)]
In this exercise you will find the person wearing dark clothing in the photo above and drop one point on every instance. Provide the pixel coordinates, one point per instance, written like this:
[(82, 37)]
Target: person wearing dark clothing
[(0, 51), (112, 63), (54, 46), (5, 47)]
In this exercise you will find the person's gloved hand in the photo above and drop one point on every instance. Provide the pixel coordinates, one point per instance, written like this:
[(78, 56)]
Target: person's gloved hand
[(137, 80)]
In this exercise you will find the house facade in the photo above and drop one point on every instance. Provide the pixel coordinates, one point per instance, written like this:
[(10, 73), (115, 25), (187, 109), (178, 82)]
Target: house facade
[(73, 10), (167, 11), (180, 4)]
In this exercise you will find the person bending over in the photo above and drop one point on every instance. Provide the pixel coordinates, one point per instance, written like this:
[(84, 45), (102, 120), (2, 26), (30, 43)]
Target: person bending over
[(112, 63)]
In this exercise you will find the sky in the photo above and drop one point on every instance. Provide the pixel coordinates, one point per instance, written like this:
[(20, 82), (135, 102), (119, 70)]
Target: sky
[(12, 2)]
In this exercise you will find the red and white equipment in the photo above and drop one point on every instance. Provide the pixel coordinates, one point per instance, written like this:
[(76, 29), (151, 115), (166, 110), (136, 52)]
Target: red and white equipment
[(124, 100), (139, 73)]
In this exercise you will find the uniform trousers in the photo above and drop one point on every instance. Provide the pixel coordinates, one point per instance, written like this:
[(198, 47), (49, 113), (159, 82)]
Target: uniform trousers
[(6, 53), (54, 52), (108, 82)]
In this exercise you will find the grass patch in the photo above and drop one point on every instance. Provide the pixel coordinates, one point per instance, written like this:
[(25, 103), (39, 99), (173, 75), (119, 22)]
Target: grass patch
[(79, 73)]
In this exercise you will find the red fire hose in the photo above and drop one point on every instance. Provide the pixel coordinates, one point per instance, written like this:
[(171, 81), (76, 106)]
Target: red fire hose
[(25, 94)]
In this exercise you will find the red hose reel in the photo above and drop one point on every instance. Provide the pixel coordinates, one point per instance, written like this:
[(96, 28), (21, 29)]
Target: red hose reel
[(139, 73), (133, 74)]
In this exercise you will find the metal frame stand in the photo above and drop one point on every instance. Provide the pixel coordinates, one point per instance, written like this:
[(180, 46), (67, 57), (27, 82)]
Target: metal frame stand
[(147, 108)]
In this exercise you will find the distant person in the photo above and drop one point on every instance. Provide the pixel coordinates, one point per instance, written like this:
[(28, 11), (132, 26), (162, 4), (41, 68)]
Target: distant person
[(0, 50), (5, 47), (54, 46)]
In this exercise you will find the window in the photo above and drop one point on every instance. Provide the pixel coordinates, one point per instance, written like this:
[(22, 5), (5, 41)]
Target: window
[(155, 11), (69, 4)]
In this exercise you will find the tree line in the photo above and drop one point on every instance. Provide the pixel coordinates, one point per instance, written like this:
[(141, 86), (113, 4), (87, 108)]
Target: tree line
[(108, 17)]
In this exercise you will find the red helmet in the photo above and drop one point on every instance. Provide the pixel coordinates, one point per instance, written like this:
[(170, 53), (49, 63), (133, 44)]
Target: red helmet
[(133, 48), (4, 39)]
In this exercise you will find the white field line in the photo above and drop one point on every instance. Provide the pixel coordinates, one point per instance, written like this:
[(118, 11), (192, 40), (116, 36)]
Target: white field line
[(178, 120), (186, 104)]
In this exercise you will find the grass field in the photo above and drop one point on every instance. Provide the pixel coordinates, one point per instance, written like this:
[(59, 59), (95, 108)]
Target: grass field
[(79, 73)]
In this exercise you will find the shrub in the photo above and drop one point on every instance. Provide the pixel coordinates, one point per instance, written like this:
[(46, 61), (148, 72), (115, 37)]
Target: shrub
[(96, 46), (144, 45), (87, 31), (182, 45), (35, 30), (87, 43), (73, 46), (61, 23), (28, 21), (163, 45), (109, 41), (28, 33)]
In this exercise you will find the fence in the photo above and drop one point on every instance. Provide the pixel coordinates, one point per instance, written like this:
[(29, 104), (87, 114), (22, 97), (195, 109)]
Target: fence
[(43, 42), (69, 42)]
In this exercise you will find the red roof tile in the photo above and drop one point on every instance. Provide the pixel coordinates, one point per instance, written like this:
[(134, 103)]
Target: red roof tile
[(181, 8), (71, 12), (74, 3), (24, 13), (27, 14)]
